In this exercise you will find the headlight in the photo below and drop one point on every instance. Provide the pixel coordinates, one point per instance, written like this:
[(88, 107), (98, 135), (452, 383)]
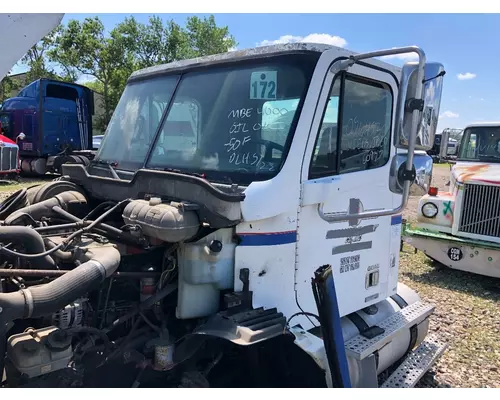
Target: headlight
[(429, 210)]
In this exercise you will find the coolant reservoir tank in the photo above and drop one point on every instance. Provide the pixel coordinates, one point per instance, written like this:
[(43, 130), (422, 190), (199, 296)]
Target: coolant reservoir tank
[(162, 221), (205, 268), (38, 352)]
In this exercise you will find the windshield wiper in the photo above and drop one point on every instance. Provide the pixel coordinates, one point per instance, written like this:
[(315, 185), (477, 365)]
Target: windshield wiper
[(489, 156), (178, 171), (109, 164)]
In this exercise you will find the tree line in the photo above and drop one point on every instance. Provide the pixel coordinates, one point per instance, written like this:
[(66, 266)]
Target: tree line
[(85, 48)]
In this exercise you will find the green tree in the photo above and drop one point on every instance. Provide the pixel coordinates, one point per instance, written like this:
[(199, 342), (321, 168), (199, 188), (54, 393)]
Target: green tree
[(206, 38), (85, 48), (35, 59), (159, 43), (41, 66), (7, 86)]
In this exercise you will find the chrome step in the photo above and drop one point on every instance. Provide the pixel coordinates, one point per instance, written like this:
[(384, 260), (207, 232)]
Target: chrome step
[(416, 364), (360, 347)]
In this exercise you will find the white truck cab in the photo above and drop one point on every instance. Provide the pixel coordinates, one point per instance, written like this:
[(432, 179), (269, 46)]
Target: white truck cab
[(460, 228), (274, 197), (305, 155)]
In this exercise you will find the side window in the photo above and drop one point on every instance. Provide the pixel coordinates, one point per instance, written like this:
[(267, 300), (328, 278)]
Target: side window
[(472, 149), (361, 120), (324, 161), (276, 120)]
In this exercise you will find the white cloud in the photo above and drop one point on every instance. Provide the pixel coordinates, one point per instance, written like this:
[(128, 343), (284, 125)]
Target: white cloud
[(323, 38), (466, 76), (404, 57), (449, 114), (232, 49)]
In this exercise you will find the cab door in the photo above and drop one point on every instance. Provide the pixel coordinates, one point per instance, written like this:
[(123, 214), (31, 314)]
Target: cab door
[(346, 169)]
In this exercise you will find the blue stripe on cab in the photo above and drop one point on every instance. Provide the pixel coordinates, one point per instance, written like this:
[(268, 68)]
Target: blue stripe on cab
[(396, 219), (268, 238)]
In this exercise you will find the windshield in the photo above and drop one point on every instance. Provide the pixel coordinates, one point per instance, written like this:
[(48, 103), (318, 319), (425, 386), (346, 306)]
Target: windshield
[(231, 123), (480, 144), (5, 124), (135, 121)]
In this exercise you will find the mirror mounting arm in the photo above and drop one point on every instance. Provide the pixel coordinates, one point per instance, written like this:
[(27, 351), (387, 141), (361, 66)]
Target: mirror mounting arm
[(407, 175), (415, 104), (408, 166)]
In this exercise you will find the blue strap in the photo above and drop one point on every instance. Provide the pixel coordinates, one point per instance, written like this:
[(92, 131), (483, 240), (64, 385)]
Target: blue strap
[(337, 331)]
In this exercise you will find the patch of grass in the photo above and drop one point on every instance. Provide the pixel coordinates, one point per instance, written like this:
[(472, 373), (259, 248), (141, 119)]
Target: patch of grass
[(441, 165), (11, 188), (467, 315)]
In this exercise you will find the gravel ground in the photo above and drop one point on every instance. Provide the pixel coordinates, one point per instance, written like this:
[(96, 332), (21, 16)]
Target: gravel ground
[(467, 313)]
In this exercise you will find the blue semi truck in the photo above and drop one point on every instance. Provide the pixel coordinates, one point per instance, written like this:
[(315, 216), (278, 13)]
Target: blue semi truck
[(56, 119)]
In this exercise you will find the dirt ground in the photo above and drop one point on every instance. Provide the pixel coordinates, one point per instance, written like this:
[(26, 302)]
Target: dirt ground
[(467, 313)]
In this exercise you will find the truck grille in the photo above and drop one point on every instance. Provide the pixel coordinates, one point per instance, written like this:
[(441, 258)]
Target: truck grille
[(480, 210), (8, 158)]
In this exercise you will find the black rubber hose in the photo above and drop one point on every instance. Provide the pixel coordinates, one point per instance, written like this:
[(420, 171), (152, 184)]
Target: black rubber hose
[(66, 200), (45, 299), (3, 349), (148, 303), (53, 228), (30, 239), (61, 255), (84, 222), (91, 331), (67, 240), (107, 230), (13, 203)]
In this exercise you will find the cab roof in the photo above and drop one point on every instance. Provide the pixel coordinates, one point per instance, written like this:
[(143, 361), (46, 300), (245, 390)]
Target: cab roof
[(238, 55), (489, 124)]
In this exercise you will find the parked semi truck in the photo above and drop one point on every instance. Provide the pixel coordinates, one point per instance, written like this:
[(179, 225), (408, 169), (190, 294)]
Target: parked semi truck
[(56, 119), (18, 32), (10, 162), (460, 227), (250, 238)]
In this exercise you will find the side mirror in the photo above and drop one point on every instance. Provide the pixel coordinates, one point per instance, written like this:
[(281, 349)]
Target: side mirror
[(428, 117), (422, 164), (443, 148), (21, 136)]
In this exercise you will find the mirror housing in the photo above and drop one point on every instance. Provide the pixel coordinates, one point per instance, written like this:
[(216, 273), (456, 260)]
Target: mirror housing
[(422, 164), (21, 136), (428, 117), (443, 148)]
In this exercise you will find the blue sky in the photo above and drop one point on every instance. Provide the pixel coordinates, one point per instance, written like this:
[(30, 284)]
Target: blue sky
[(467, 45)]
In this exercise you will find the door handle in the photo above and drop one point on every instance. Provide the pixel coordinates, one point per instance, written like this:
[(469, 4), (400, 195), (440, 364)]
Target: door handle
[(343, 216)]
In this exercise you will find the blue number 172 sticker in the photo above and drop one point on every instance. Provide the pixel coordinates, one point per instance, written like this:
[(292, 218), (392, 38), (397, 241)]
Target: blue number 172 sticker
[(264, 85)]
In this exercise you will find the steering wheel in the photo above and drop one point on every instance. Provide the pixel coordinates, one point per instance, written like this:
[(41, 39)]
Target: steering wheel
[(139, 132), (269, 146)]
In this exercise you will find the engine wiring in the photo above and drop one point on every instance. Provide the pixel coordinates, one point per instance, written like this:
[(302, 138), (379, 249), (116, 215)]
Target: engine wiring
[(67, 240)]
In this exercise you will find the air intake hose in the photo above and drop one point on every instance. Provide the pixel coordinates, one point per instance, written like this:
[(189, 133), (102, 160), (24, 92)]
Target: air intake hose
[(41, 300), (30, 239), (71, 201)]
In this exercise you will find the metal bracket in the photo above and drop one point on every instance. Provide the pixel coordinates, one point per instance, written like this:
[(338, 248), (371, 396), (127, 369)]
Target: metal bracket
[(415, 104)]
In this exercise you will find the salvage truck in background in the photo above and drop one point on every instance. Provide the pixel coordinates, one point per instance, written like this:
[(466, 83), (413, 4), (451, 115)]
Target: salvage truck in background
[(56, 119), (10, 162), (240, 226), (18, 33), (460, 228)]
